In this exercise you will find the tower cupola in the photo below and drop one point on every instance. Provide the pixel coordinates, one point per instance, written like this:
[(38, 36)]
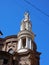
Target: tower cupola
[(25, 36)]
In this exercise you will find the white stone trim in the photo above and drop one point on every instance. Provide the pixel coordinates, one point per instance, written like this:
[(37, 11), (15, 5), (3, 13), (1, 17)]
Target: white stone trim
[(22, 50)]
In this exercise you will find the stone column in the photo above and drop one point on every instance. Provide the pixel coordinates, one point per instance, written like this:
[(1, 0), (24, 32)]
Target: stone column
[(30, 43), (26, 42), (19, 44), (4, 48)]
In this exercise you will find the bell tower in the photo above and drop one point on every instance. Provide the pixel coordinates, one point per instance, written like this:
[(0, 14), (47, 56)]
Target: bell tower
[(27, 48), (25, 36)]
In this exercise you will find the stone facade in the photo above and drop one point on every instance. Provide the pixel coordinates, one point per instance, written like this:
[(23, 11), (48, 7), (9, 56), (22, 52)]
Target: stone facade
[(20, 49)]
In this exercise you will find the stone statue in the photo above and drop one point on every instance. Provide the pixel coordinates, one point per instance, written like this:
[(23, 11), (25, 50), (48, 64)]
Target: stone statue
[(26, 15)]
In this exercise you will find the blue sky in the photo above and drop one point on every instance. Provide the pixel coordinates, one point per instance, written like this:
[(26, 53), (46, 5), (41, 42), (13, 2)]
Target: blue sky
[(11, 14)]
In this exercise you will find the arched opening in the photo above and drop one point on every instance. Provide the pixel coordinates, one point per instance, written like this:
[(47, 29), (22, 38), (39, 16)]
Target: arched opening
[(24, 42)]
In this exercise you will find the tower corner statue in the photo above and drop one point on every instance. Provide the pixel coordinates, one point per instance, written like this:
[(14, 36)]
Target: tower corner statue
[(20, 49)]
